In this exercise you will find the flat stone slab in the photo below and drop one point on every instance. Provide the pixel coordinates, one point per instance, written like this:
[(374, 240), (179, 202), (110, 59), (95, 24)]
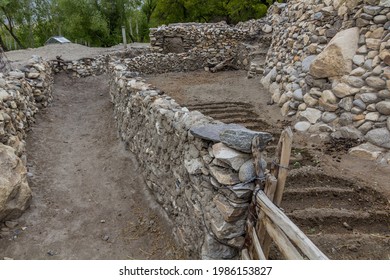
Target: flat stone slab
[(224, 176), (230, 156), (241, 139), (211, 132)]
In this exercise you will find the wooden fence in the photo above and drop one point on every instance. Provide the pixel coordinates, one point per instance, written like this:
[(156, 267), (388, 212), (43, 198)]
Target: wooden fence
[(268, 224)]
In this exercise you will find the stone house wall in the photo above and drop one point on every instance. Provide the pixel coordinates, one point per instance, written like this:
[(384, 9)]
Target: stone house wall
[(202, 42)]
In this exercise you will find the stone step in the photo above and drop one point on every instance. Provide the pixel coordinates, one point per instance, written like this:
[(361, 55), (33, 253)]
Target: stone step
[(219, 105), (340, 198), (332, 220), (230, 114), (353, 246)]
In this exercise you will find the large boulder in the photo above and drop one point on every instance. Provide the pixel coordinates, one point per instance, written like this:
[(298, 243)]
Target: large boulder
[(15, 194), (336, 58)]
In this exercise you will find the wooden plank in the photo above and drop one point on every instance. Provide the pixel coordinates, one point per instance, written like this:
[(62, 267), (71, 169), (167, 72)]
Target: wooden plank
[(257, 156), (286, 144), (265, 240), (249, 240), (289, 228), (245, 255), (281, 240), (257, 246)]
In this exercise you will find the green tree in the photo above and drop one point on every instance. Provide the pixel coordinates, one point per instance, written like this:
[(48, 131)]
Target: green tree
[(231, 11), (12, 13)]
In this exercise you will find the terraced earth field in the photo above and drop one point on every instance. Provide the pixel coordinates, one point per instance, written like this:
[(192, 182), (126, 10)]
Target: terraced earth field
[(340, 202)]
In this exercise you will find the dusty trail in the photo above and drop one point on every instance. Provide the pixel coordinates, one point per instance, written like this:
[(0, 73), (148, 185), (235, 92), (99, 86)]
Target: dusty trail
[(89, 200)]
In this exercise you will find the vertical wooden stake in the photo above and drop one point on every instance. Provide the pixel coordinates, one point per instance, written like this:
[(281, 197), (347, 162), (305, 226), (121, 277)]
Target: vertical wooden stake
[(124, 37), (286, 143)]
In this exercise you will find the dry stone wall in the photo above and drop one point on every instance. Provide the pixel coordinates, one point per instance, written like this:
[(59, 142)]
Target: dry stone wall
[(199, 44), (22, 93), (200, 170), (328, 65)]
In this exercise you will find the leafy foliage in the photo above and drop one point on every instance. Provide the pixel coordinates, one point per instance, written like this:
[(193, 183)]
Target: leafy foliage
[(29, 23)]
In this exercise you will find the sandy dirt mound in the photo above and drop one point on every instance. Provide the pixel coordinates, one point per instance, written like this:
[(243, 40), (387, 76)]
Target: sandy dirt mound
[(66, 51)]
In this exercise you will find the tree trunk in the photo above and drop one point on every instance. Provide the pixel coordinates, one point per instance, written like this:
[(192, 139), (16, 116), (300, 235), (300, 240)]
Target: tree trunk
[(2, 44), (5, 66)]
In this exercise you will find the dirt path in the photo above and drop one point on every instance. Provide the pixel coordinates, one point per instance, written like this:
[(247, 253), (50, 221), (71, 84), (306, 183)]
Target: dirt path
[(89, 200)]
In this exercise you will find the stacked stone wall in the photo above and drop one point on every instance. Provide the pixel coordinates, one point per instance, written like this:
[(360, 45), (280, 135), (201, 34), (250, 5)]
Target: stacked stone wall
[(204, 182), (22, 94), (202, 43), (328, 65)]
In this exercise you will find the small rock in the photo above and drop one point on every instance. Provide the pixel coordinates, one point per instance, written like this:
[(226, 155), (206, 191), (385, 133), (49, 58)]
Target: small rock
[(194, 166), (388, 123), (345, 119), (329, 97), (366, 127), (355, 82), (230, 156), (328, 117), (372, 10), (105, 238), (11, 224), (348, 133), (247, 171), (307, 62), (372, 116), (241, 139), (51, 253), (376, 82), (302, 126), (309, 100), (366, 151), (383, 107), (298, 95), (346, 103), (379, 137), (373, 44), (369, 98), (224, 176), (342, 90), (102, 221), (347, 226), (311, 115), (359, 103), (231, 212), (358, 72), (358, 60), (380, 19), (267, 28)]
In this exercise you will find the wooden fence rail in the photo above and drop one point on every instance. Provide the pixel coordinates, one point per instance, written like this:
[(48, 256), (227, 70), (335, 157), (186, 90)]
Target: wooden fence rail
[(266, 223)]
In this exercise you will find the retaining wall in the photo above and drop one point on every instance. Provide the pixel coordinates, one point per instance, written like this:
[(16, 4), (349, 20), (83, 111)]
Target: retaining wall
[(202, 184), (22, 93), (328, 65)]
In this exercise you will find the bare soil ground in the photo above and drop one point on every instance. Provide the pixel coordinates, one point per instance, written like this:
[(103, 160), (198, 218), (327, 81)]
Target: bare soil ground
[(340, 202), (66, 51), (89, 200)]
